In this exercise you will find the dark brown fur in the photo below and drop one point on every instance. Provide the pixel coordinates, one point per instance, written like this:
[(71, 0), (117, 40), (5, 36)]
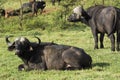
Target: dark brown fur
[(49, 55)]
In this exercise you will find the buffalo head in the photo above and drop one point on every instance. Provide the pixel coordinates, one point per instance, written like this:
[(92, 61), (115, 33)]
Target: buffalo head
[(20, 45), (79, 14), (2, 12)]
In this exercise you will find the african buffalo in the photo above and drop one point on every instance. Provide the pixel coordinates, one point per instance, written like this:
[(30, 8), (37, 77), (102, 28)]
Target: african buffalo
[(101, 19), (9, 12), (39, 5), (48, 55), (33, 6)]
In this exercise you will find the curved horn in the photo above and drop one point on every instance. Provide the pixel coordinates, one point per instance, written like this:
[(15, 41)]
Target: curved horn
[(7, 40), (39, 41)]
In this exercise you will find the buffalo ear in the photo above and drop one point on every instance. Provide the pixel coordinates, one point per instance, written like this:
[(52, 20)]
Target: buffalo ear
[(31, 48)]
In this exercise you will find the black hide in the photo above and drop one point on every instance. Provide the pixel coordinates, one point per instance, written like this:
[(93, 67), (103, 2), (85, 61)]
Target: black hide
[(101, 19)]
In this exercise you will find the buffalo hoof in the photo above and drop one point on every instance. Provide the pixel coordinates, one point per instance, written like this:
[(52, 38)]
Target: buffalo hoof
[(118, 49), (112, 49), (95, 47), (101, 46), (21, 67)]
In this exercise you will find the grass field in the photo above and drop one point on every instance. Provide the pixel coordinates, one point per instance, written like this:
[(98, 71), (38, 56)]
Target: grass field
[(49, 27), (105, 62)]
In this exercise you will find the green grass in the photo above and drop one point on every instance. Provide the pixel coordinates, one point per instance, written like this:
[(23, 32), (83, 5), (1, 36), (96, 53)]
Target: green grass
[(105, 62), (50, 27)]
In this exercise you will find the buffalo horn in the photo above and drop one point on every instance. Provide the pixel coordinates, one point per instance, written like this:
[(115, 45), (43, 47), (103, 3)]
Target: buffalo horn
[(39, 41), (7, 40)]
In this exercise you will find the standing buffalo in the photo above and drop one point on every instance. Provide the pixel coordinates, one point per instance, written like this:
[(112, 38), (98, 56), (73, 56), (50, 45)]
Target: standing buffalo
[(33, 6), (48, 55), (101, 19)]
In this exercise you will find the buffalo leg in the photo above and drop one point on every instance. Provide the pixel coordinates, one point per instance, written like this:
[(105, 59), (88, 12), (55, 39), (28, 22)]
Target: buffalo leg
[(41, 11), (53, 2), (118, 41), (34, 8), (25, 67), (58, 2), (101, 40), (95, 35), (71, 60), (112, 39), (22, 67), (72, 67)]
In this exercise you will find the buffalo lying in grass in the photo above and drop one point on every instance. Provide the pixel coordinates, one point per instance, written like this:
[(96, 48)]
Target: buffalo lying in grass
[(9, 12), (48, 55), (101, 19)]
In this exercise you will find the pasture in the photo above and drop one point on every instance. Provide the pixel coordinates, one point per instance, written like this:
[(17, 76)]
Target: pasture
[(105, 64)]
